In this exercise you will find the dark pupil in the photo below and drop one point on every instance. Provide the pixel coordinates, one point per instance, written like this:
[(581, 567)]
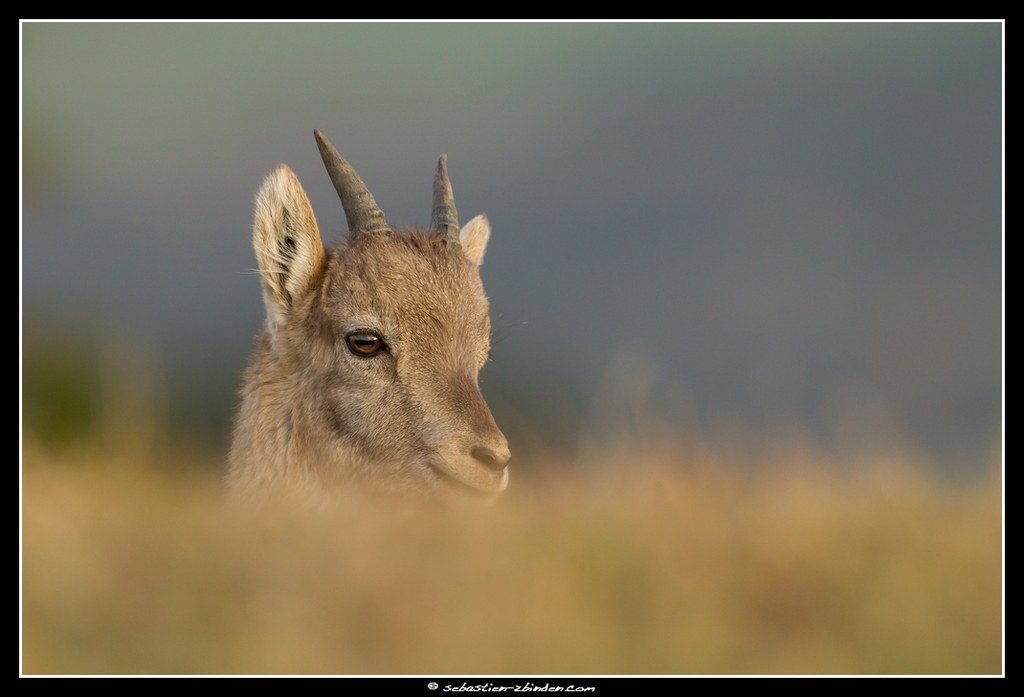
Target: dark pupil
[(364, 343)]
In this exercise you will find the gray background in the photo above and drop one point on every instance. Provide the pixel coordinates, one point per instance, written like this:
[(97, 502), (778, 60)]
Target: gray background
[(739, 233)]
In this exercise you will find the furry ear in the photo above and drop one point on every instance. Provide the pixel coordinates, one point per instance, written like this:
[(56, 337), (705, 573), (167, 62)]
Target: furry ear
[(473, 236), (287, 243)]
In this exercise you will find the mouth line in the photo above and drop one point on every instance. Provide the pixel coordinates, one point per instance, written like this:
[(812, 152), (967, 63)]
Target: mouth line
[(463, 485)]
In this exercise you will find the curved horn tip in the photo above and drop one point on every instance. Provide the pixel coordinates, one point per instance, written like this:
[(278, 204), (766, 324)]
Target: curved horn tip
[(444, 218), (324, 146), (361, 210), (441, 176)]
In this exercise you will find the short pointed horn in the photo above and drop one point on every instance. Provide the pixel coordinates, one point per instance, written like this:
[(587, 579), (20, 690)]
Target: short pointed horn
[(444, 219), (361, 210)]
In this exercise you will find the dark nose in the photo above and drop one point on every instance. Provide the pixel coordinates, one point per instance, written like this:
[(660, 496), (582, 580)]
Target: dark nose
[(492, 458)]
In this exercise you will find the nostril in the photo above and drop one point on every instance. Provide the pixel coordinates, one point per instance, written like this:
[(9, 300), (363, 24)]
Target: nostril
[(494, 459)]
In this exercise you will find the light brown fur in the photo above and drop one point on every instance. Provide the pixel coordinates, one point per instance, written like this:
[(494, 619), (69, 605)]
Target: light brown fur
[(315, 414)]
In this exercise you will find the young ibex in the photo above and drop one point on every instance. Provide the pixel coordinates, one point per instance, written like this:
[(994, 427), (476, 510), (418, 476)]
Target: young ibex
[(366, 370)]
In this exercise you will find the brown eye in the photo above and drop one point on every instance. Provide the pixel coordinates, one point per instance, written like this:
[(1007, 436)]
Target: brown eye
[(365, 343)]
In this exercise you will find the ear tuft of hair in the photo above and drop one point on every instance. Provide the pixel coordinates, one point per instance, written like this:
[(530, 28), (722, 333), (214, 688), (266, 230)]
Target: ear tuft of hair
[(287, 242)]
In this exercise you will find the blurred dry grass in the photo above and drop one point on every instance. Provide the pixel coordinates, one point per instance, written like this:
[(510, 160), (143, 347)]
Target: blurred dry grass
[(678, 565)]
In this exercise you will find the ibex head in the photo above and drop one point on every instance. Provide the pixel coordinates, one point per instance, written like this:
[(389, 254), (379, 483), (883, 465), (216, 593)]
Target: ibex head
[(367, 368)]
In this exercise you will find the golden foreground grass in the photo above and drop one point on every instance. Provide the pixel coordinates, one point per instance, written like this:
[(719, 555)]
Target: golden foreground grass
[(668, 570)]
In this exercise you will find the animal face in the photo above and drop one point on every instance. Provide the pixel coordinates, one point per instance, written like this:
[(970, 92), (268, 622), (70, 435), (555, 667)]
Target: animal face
[(367, 370)]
